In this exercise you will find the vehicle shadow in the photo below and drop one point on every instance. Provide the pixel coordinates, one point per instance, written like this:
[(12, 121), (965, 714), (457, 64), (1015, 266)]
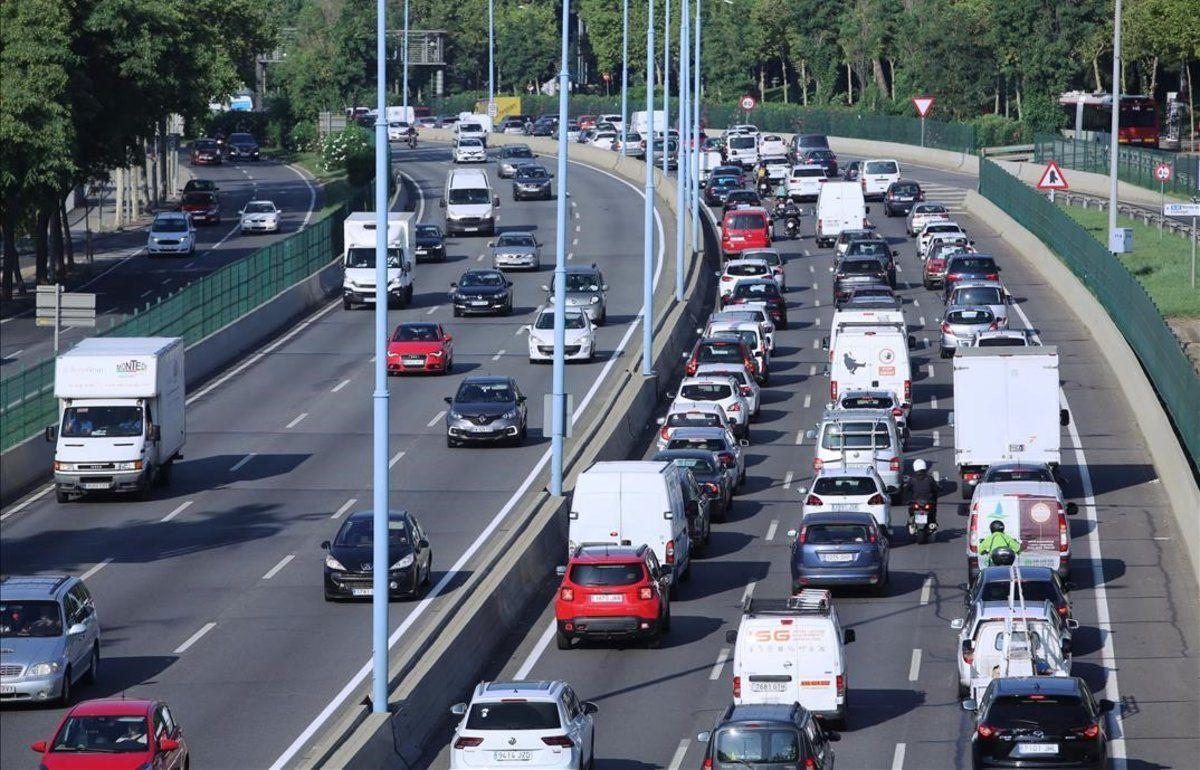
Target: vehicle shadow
[(1083, 577), (723, 543), (870, 707), (711, 578), (1107, 478)]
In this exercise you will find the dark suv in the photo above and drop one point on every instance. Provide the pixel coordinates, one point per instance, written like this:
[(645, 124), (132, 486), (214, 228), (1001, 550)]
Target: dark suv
[(778, 735), (852, 272), (1039, 721)]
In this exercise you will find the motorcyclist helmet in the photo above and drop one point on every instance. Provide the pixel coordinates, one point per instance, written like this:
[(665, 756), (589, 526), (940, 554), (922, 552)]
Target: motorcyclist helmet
[(1003, 557), (996, 526), (920, 465)]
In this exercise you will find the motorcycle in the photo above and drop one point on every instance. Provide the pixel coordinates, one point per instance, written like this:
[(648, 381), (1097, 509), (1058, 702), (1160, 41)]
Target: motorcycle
[(920, 524), (764, 188), (412, 141)]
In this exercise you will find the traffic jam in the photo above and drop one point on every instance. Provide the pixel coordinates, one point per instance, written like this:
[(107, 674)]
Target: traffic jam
[(862, 491)]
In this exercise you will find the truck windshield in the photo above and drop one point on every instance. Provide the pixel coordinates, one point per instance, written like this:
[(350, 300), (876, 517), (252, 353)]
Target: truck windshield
[(463, 196), (102, 421), (365, 257)]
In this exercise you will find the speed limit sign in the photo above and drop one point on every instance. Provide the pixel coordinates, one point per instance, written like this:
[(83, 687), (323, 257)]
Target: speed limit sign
[(1162, 172), (747, 103)]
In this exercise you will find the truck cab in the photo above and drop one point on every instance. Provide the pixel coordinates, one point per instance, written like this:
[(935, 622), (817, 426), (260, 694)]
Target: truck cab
[(358, 282)]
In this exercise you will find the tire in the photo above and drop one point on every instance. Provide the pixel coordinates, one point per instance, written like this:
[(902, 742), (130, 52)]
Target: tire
[(450, 443), (429, 570), (687, 573), (562, 641), (93, 665), (143, 492), (946, 353), (164, 474), (923, 535), (654, 641), (963, 690), (346, 304), (61, 496), (457, 313)]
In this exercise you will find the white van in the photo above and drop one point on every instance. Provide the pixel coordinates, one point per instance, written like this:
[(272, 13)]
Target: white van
[(477, 126), (877, 175), (848, 437), (741, 149), (804, 182), (633, 503), (470, 203), (851, 314), (869, 356), (1034, 512), (790, 651), (840, 206)]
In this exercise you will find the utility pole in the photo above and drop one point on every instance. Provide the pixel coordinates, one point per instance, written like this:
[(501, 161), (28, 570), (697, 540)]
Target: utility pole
[(558, 387), (681, 172), (1115, 127), (648, 223), (624, 72)]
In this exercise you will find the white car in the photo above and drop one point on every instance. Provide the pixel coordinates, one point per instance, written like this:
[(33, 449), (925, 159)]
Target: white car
[(464, 129), (804, 182), (578, 345), (773, 258), (857, 488), (259, 217), (523, 724), (604, 140), (741, 149), (690, 415), (722, 390), (772, 147), (923, 213), (574, 133), (397, 131), (468, 149), (744, 128), (749, 387), (761, 313), (171, 232), (742, 270), (877, 176), (940, 227)]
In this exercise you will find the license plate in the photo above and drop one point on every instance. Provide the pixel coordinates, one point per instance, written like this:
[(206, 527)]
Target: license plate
[(768, 686), (837, 556), (478, 428), (844, 507), (479, 303), (7, 689), (414, 359), (606, 598), (95, 485), (921, 518), (511, 756), (1037, 748), (361, 591)]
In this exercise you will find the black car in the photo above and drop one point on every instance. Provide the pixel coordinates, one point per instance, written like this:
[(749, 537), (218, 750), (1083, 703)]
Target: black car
[(430, 244), (852, 170), (825, 158), (900, 197), (1039, 721), (875, 247), (777, 736), (1039, 584), (348, 568), (736, 172), (544, 127), (242, 147), (718, 189), (482, 292), (802, 143), (531, 181), (706, 469), (856, 271), (488, 409), (740, 198), (969, 267), (765, 291)]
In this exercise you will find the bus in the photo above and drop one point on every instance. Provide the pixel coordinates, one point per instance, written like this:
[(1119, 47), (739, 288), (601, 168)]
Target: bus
[(1139, 116)]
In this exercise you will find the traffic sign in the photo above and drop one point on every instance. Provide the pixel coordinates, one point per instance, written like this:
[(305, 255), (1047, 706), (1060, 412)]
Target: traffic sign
[(1181, 209), (493, 110), (923, 104), (1162, 172), (747, 102), (1052, 178)]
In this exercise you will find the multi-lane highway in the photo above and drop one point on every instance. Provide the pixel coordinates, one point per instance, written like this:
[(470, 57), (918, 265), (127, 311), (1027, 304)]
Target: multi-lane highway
[(1134, 595), (210, 594), (126, 279)]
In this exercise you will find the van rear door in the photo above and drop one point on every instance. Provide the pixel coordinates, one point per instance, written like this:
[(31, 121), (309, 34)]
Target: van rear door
[(765, 668), (595, 510), (818, 663)]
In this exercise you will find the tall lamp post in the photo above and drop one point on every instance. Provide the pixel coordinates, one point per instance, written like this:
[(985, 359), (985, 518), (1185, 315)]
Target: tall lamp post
[(624, 72), (682, 167), (666, 65), (404, 48), (491, 105), (558, 388), (1115, 127), (648, 220)]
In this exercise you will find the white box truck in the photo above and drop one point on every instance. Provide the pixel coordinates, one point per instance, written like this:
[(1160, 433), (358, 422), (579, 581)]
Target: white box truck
[(358, 282), (1006, 409), (640, 121), (120, 415)]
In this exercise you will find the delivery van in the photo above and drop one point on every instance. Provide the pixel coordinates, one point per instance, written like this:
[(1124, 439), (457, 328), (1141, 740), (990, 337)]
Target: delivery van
[(120, 415), (858, 314), (790, 651), (358, 280), (633, 503), (869, 356), (840, 206), (470, 203), (1033, 512)]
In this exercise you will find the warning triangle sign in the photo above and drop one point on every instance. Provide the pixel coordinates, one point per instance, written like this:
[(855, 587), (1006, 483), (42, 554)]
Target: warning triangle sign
[(922, 103), (1052, 178)]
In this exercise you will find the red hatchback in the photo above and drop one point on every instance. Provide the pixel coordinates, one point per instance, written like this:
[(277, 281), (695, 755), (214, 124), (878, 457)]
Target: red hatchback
[(201, 207), (720, 350), (420, 347), (612, 592), (116, 735), (743, 229)]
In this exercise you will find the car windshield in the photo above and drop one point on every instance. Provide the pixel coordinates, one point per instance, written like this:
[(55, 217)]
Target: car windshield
[(206, 144), (742, 142), (744, 196), (1053, 714), (516, 239), (260, 207), (860, 266), (868, 249), (103, 735), (740, 747), (695, 464), (102, 421), (845, 486), (725, 181), (582, 282), (357, 533), (364, 256), (607, 574), (975, 264), (829, 534), (24, 619), (867, 402), (751, 269), (532, 172), (199, 184), (428, 231), (1035, 591), (983, 295), (520, 151), (711, 444), (820, 155), (770, 257), (756, 289), (693, 420), (468, 142), (513, 714), (906, 189), (746, 222), (470, 196), (719, 351), (813, 140), (416, 333), (485, 393), (170, 225), (570, 321), (202, 198), (470, 128), (856, 435), (881, 167), (706, 391), (490, 280)]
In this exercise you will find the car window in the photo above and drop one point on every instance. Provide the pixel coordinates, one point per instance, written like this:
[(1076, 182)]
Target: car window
[(930, 208), (742, 142), (836, 534), (570, 321), (583, 282), (756, 289), (881, 167), (532, 172), (798, 173), (711, 444), (706, 391), (481, 279), (836, 486), (514, 715), (518, 152), (606, 574), (170, 225), (743, 221), (695, 464), (693, 420), (860, 266), (970, 316), (199, 198), (102, 734), (975, 264), (909, 188), (260, 207), (485, 392), (1019, 474), (516, 239), (757, 746), (752, 270), (475, 196), (416, 333), (358, 533), (429, 231), (1050, 713), (1035, 592), (982, 295)]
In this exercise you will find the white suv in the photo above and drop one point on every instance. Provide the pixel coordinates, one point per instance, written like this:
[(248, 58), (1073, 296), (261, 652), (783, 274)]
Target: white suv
[(720, 389), (525, 724)]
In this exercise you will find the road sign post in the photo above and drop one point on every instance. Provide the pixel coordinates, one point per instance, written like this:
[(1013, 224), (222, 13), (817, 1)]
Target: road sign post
[(1052, 179), (923, 104), (1162, 172), (747, 103), (57, 308), (1186, 210)]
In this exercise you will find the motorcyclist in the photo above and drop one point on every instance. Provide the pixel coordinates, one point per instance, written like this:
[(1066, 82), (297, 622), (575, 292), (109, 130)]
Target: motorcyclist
[(922, 488), (410, 135), (786, 208), (997, 538)]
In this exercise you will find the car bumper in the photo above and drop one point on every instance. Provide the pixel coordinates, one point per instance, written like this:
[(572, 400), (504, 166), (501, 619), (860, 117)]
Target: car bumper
[(808, 577), (455, 226), (102, 481), (31, 688), (471, 158), (206, 161), (515, 263), (483, 433), (199, 217), (358, 585), (427, 254), (1098, 759), (260, 227), (614, 627), (469, 307), (168, 248), (367, 296), (476, 759), (577, 352), (526, 192), (902, 207), (403, 365)]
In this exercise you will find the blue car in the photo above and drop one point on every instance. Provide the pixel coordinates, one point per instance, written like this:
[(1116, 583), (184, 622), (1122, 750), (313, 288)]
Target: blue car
[(843, 548)]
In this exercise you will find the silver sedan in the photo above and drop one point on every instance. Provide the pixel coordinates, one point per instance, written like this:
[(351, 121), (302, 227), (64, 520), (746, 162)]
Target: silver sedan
[(516, 251)]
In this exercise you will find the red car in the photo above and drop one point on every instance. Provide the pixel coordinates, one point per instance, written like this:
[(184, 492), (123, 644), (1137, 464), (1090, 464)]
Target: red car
[(719, 350), (418, 346), (201, 207), (743, 229), (612, 592), (205, 152), (116, 735)]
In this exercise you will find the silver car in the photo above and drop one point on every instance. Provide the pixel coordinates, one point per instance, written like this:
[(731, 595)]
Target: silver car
[(511, 157), (722, 442), (586, 289), (49, 638), (961, 324), (513, 251), (989, 294)]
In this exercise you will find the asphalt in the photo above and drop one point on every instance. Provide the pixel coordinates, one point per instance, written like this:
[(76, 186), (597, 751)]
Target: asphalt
[(124, 278), (1134, 594), (210, 594)]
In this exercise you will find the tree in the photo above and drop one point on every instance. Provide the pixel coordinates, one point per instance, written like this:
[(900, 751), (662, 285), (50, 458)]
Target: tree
[(527, 44)]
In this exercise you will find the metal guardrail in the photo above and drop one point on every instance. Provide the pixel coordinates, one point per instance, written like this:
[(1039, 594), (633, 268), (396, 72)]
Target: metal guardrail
[(1014, 152), (1135, 165)]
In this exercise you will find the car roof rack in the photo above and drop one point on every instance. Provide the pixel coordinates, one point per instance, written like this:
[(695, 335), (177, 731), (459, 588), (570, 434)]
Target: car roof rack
[(810, 601)]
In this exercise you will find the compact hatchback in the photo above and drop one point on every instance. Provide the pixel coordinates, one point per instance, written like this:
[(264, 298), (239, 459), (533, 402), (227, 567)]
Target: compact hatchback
[(858, 488), (960, 325), (49, 638), (116, 734), (585, 289), (741, 229), (765, 292), (419, 347), (781, 736), (486, 409), (349, 571), (612, 592), (201, 207), (482, 292), (171, 232), (839, 549)]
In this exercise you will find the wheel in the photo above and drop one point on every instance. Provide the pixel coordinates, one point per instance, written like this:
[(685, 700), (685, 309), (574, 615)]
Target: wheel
[(562, 640), (882, 587), (687, 573), (926, 284), (346, 304), (457, 313), (946, 353), (416, 583), (923, 535), (61, 496), (451, 443), (143, 492), (64, 695), (164, 475), (654, 641), (93, 665), (429, 569)]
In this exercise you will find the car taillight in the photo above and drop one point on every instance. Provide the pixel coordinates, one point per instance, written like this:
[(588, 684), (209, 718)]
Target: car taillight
[(1064, 534), (908, 390), (813, 500), (645, 594), (566, 594), (711, 488), (691, 367), (726, 459), (993, 326), (897, 411), (558, 740), (664, 433), (866, 224), (894, 464), (737, 687), (735, 407), (707, 763), (1091, 731), (841, 685), (876, 499), (953, 277), (985, 731), (750, 365), (802, 536), (972, 546), (992, 277), (746, 390), (833, 390), (670, 552), (1062, 611), (467, 742), (727, 278), (818, 463)]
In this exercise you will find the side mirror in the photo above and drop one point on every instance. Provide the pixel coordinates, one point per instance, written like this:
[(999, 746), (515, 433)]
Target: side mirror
[(154, 433), (744, 442), (731, 637), (1072, 623), (76, 629), (685, 356), (1072, 509), (40, 746), (458, 709), (241, 211), (590, 708), (545, 287), (561, 570), (791, 532), (52, 433), (661, 421), (325, 545), (1105, 706), (702, 737), (604, 287), (496, 201), (509, 284), (970, 705), (422, 543), (848, 636), (491, 244), (454, 284), (824, 343), (956, 624), (811, 435), (449, 338), (831, 269), (520, 399), (1064, 418), (168, 744), (968, 646), (448, 399)]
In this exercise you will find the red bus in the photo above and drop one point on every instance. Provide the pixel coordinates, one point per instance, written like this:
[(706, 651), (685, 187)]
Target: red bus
[(1139, 116)]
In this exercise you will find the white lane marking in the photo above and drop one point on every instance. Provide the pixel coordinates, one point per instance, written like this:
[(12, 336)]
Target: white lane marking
[(787, 480), (178, 510), (807, 255), (147, 292), (242, 462), (937, 476), (577, 226), (339, 386), (132, 254), (432, 310), (916, 303), (499, 353), (397, 458), (299, 418), (312, 195), (812, 370), (570, 255), (486, 533), (815, 287), (574, 241), (435, 419), (524, 329), (816, 344), (771, 529), (166, 281), (898, 757), (95, 568), (937, 438), (28, 502), (680, 753), (812, 269), (532, 658), (929, 368), (800, 437), (16, 353), (282, 563), (922, 321), (933, 402), (816, 303), (479, 258), (926, 589), (808, 399), (914, 667), (749, 591), (715, 674), (817, 321), (345, 507), (204, 629)]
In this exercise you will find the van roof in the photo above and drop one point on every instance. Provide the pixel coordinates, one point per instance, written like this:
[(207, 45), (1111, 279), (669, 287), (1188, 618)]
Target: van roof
[(810, 601), (847, 415), (461, 176), (628, 466)]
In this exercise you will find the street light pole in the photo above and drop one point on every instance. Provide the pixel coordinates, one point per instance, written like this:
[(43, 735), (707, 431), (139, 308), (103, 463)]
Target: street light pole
[(491, 104), (624, 72), (695, 180), (1115, 126), (558, 388), (379, 399), (681, 172), (648, 220), (404, 88), (666, 85)]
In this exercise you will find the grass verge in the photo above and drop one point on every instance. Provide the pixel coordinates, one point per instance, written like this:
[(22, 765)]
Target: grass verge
[(334, 186)]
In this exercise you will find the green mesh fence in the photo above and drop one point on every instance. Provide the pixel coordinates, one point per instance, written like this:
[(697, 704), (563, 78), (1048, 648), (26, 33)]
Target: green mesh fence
[(1127, 303), (1135, 165)]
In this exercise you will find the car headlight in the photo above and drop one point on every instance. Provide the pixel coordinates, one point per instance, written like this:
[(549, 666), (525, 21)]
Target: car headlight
[(511, 414), (595, 300), (333, 563), (61, 466), (42, 669), (135, 465), (392, 354), (404, 563), (437, 354), (455, 415)]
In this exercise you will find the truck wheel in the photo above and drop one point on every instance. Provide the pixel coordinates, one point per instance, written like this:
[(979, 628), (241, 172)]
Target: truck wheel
[(61, 496), (164, 474), (143, 492), (346, 304)]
